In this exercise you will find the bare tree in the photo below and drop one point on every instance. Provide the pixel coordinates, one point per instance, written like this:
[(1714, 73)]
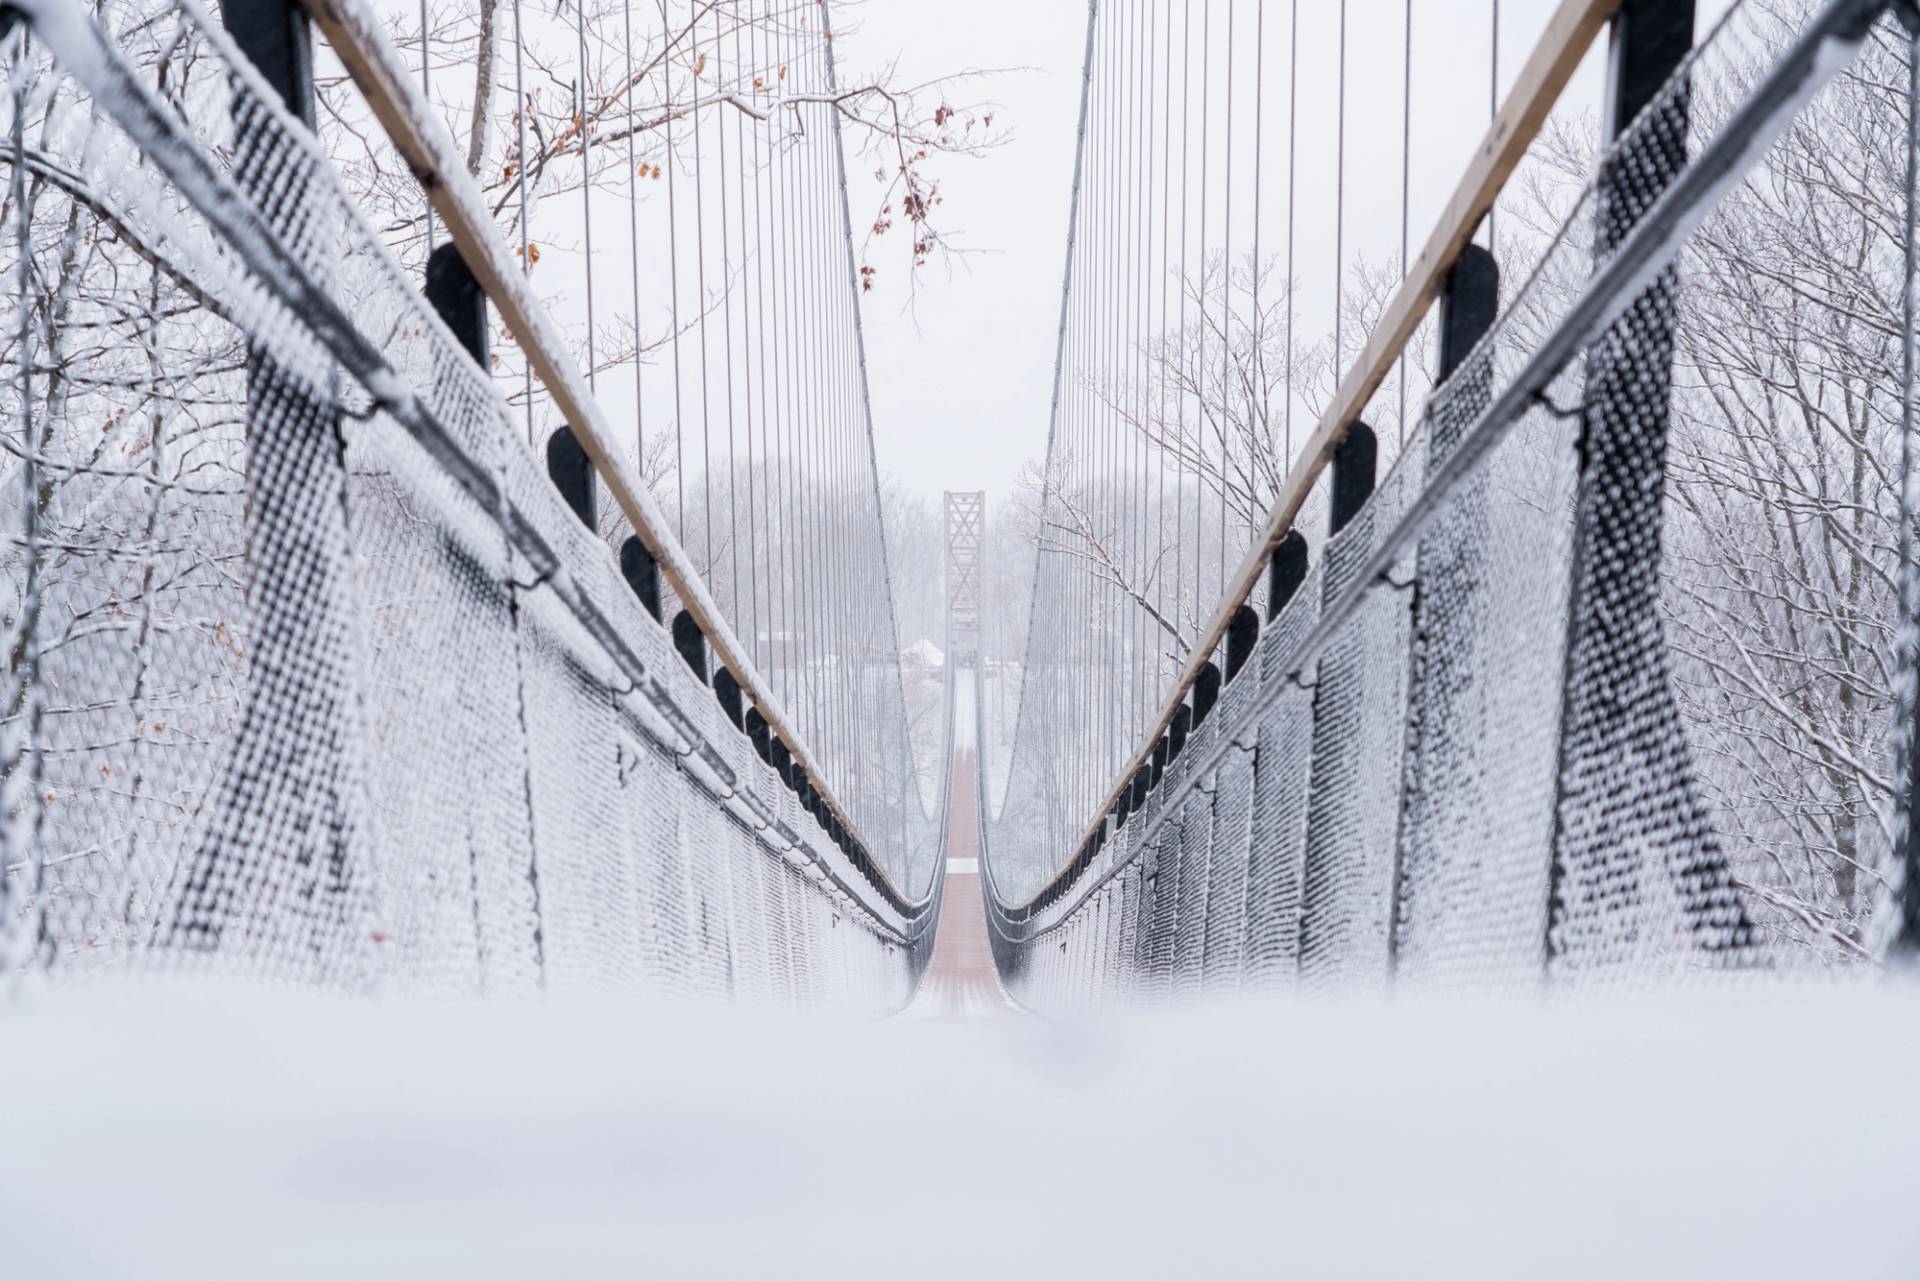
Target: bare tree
[(1784, 501), (613, 93)]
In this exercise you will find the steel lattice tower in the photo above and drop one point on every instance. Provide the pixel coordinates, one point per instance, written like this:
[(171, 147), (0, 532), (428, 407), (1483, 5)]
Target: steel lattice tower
[(966, 532)]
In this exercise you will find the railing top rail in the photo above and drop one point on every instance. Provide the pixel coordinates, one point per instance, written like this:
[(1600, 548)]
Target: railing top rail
[(1548, 70), (423, 140)]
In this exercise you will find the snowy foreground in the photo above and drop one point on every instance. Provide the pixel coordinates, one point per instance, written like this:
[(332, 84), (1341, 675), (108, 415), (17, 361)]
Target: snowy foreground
[(152, 1134)]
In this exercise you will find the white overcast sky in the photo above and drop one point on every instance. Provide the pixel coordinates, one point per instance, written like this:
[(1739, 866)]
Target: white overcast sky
[(961, 384)]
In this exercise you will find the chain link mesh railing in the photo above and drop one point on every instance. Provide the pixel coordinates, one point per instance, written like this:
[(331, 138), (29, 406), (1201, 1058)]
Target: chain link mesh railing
[(312, 675), (1601, 685)]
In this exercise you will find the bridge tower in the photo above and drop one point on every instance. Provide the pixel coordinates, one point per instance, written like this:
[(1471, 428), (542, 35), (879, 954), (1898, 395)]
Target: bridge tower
[(966, 532)]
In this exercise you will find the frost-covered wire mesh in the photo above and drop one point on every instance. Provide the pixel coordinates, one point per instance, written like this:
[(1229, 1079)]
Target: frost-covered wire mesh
[(312, 675), (1598, 686)]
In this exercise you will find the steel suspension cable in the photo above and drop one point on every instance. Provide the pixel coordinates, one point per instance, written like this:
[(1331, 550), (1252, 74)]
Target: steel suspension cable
[(520, 181), (1257, 343), (1112, 500), (1143, 296), (1166, 225), (1226, 316), (792, 589), (633, 249), (426, 93), (1200, 377), (730, 287), (1493, 112), (1340, 208), (1293, 151), (759, 492), (1406, 170), (673, 285), (584, 124)]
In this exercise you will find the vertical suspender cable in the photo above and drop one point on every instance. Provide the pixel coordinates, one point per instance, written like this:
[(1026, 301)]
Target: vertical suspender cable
[(1143, 686), (703, 311), (1293, 153), (793, 553), (633, 248), (1085, 342), (1170, 352), (809, 497), (752, 304), (1200, 378), (585, 128), (673, 278), (1493, 111), (1257, 335), (1114, 480), (1189, 460), (818, 632), (426, 95), (520, 109), (845, 598), (1340, 210), (1106, 474), (1406, 188), (730, 294), (1226, 319), (841, 601), (1127, 689), (1088, 466), (1097, 672), (766, 374)]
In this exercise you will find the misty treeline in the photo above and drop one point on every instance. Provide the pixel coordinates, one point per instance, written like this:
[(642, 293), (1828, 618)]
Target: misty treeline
[(1782, 528)]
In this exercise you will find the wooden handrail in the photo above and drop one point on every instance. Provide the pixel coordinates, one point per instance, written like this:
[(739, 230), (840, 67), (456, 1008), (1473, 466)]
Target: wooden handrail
[(424, 142), (1555, 58)]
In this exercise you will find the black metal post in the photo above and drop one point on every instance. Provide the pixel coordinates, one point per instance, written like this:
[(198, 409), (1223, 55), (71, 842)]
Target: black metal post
[(456, 297), (1468, 307), (1206, 692), (726, 691), (1243, 634), (1355, 462), (692, 645), (642, 572), (571, 472), (1286, 571), (760, 734), (276, 37), (1177, 731), (1651, 38)]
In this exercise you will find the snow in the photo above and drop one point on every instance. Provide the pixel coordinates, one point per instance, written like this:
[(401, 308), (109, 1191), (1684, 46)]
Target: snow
[(158, 1132), (924, 653)]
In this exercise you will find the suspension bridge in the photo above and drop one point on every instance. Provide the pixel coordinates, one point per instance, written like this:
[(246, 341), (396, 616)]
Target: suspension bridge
[(1526, 610)]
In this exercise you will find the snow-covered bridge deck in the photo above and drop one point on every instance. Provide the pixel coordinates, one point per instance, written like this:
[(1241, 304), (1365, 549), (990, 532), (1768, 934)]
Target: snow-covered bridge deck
[(301, 1137)]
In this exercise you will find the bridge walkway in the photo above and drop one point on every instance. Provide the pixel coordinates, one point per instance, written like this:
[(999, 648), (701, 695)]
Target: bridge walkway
[(961, 980)]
